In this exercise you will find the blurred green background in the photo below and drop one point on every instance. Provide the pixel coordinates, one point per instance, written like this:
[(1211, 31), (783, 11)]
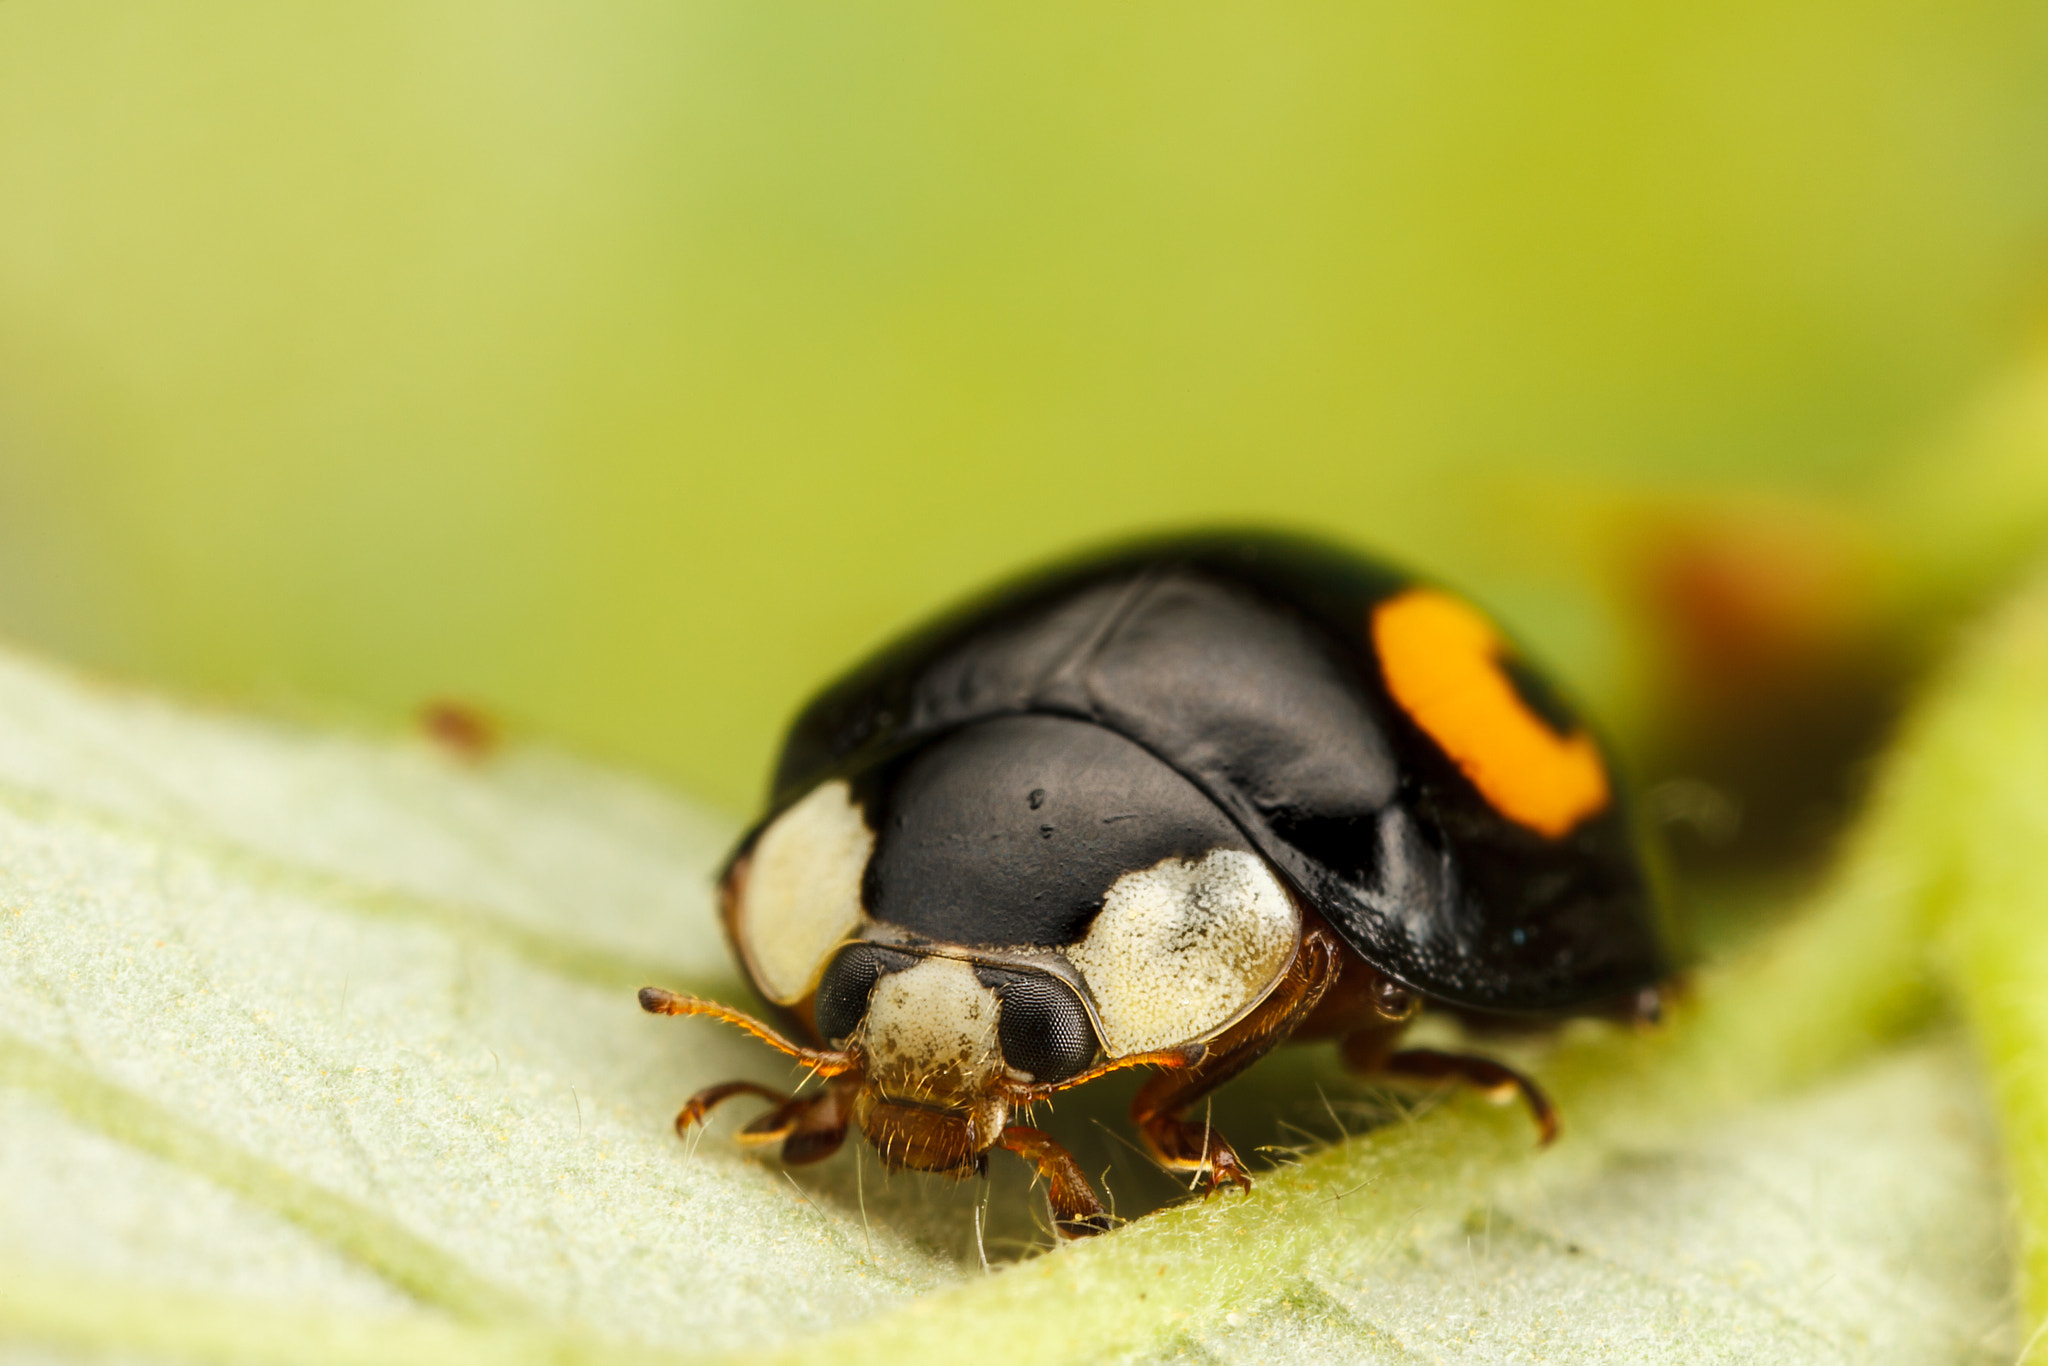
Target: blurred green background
[(626, 369)]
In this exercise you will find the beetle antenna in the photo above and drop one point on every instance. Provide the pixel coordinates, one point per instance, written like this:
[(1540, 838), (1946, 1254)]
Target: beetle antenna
[(1185, 1056), (822, 1062)]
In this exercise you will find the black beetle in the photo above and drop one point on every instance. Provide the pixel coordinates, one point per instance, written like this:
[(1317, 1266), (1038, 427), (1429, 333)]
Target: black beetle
[(1167, 807)]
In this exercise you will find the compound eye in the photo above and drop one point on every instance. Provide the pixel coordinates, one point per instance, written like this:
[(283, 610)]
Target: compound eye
[(1042, 1029), (842, 999)]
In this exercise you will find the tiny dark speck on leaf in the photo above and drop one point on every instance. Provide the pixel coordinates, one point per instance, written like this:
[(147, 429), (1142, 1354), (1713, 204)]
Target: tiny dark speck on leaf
[(1037, 798), (1045, 832), (464, 731)]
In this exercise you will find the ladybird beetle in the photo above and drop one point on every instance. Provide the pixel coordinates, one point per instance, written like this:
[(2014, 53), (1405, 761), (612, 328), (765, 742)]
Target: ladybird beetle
[(1167, 807)]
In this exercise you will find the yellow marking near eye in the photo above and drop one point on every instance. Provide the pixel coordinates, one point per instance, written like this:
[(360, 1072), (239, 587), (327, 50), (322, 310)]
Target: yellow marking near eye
[(1441, 660)]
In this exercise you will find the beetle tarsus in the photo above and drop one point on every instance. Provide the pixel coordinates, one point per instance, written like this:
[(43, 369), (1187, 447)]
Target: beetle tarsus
[(1076, 1212), (697, 1107), (1225, 1166), (1495, 1079), (810, 1128), (1183, 1146)]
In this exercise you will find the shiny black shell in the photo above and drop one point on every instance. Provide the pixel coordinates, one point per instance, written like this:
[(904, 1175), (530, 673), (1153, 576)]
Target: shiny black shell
[(1243, 663)]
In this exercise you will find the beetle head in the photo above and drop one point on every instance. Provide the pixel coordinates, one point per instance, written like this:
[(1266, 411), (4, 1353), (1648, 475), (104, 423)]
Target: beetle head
[(929, 1091), (925, 1052)]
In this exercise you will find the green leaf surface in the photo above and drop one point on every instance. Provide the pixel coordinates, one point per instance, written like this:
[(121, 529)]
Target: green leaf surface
[(321, 1047)]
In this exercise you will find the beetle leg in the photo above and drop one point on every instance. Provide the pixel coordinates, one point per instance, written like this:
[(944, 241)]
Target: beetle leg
[(1181, 1145), (1076, 1213), (698, 1106), (1366, 1052), (811, 1127), (817, 1125)]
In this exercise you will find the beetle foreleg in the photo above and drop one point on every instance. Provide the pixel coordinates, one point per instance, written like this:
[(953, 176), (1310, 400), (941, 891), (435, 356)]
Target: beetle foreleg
[(811, 1128), (1181, 1145), (1076, 1213), (698, 1106)]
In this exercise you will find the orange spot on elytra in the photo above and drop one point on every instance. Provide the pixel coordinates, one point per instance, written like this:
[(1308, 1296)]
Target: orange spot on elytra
[(1441, 660)]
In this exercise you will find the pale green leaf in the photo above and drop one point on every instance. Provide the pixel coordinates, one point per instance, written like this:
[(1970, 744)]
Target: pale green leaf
[(318, 1047)]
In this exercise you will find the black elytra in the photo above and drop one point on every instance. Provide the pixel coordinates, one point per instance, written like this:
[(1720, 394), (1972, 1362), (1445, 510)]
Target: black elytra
[(1009, 831), (1212, 691)]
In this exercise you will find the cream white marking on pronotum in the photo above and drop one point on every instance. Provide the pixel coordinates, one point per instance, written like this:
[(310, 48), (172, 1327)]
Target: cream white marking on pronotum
[(931, 1031), (1183, 948), (801, 896)]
